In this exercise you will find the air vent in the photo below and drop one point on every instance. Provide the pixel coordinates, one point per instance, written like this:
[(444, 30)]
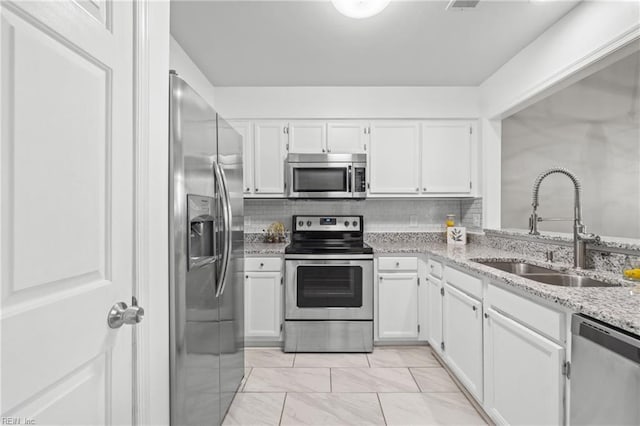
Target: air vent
[(462, 4)]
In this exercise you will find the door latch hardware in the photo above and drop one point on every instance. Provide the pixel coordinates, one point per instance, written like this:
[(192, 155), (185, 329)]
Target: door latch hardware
[(566, 369), (120, 314)]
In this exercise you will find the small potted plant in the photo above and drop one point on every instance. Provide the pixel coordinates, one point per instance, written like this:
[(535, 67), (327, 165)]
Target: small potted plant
[(275, 233)]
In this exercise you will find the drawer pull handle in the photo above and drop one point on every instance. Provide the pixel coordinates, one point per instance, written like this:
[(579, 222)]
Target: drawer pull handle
[(397, 264), (262, 265)]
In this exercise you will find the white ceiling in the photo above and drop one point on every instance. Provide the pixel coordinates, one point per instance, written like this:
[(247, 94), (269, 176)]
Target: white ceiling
[(308, 43)]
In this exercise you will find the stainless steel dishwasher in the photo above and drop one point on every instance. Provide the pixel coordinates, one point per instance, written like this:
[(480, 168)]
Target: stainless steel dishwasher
[(605, 374)]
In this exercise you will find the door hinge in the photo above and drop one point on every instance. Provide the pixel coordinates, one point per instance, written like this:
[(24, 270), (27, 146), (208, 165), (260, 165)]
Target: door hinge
[(442, 291), (281, 280), (281, 326), (365, 146), (285, 185), (566, 369), (442, 345), (418, 280), (285, 130), (418, 328), (470, 185), (368, 185), (287, 147), (470, 130)]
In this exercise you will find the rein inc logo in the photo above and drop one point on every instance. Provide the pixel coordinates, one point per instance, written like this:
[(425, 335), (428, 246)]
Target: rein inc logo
[(17, 421)]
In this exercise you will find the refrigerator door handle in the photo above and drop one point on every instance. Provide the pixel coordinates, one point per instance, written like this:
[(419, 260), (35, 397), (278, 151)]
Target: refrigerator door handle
[(221, 181)]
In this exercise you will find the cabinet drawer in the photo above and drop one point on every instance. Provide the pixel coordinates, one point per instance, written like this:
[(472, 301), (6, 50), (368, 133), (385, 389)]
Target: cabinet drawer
[(262, 263), (398, 263), (464, 282), (434, 268), (538, 317)]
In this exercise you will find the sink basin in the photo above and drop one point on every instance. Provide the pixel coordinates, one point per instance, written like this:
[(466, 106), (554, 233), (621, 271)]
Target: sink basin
[(567, 280), (517, 268), (544, 275)]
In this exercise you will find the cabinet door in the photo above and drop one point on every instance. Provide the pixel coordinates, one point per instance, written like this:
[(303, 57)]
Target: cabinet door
[(435, 313), (398, 305), (523, 373), (394, 158), (446, 157), (462, 335), (245, 128), (262, 298), (270, 153), (349, 137), (307, 136)]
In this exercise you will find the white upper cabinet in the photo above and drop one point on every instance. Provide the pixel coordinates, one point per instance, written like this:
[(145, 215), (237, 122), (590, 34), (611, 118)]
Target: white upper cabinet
[(307, 136), (347, 137), (446, 157), (270, 140), (245, 128), (394, 159)]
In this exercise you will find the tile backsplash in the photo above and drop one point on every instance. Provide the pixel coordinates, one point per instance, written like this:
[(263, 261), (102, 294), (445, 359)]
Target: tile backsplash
[(380, 215)]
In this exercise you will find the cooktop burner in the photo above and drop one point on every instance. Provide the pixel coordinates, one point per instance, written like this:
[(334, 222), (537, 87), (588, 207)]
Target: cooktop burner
[(328, 235)]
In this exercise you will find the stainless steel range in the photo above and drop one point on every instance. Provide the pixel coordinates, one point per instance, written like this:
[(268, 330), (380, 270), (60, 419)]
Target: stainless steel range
[(328, 286)]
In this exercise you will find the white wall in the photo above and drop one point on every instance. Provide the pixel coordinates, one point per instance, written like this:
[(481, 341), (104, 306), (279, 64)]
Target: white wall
[(189, 72), (591, 36), (347, 102), (592, 30), (593, 129)]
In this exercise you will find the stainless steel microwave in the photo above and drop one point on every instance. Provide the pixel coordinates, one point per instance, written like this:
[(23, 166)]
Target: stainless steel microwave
[(326, 175)]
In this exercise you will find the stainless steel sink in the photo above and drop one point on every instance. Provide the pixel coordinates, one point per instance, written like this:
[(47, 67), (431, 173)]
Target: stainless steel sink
[(544, 275), (567, 280), (517, 268)]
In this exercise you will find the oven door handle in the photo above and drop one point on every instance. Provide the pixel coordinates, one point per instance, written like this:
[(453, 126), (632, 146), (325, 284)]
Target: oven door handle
[(333, 263)]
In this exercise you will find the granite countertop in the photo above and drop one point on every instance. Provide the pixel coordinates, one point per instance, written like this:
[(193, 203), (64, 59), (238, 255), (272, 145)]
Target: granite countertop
[(263, 249), (614, 305)]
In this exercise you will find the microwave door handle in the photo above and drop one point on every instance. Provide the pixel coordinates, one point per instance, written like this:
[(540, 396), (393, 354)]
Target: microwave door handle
[(349, 180)]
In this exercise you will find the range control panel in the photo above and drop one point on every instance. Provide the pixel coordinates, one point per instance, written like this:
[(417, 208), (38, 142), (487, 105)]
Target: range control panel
[(327, 223)]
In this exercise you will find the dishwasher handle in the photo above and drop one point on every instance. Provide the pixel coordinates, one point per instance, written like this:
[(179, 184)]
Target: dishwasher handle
[(615, 340)]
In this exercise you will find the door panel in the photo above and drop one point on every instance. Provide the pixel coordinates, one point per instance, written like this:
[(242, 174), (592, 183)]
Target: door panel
[(307, 136), (523, 373), (262, 302), (462, 334), (346, 137), (446, 157), (394, 160), (66, 212), (398, 305), (435, 313), (269, 150)]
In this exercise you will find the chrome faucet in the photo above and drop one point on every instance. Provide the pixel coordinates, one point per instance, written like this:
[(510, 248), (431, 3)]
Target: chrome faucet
[(580, 235)]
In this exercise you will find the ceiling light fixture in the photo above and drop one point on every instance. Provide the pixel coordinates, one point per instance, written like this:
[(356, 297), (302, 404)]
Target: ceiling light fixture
[(360, 9)]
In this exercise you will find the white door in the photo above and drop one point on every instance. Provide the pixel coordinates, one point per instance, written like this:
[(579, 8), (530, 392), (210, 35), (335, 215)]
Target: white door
[(269, 156), (66, 210), (307, 136), (435, 292), (347, 136), (446, 157), (523, 374), (398, 305), (462, 336), (245, 128), (262, 304), (394, 162)]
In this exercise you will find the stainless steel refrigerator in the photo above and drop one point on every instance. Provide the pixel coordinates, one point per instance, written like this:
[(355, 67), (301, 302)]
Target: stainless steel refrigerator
[(206, 239)]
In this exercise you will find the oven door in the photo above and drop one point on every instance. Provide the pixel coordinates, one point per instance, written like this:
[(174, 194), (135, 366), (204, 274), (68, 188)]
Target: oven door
[(319, 180), (329, 289)]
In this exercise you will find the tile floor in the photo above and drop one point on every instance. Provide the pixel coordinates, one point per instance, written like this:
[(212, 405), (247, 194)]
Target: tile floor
[(391, 386)]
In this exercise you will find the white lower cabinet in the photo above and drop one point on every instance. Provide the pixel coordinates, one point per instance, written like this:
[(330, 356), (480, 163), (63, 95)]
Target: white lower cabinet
[(263, 293), (398, 305), (435, 294), (397, 299), (462, 336), (523, 374)]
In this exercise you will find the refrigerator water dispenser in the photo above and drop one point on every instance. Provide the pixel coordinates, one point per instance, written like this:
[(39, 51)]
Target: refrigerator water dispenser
[(201, 247)]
